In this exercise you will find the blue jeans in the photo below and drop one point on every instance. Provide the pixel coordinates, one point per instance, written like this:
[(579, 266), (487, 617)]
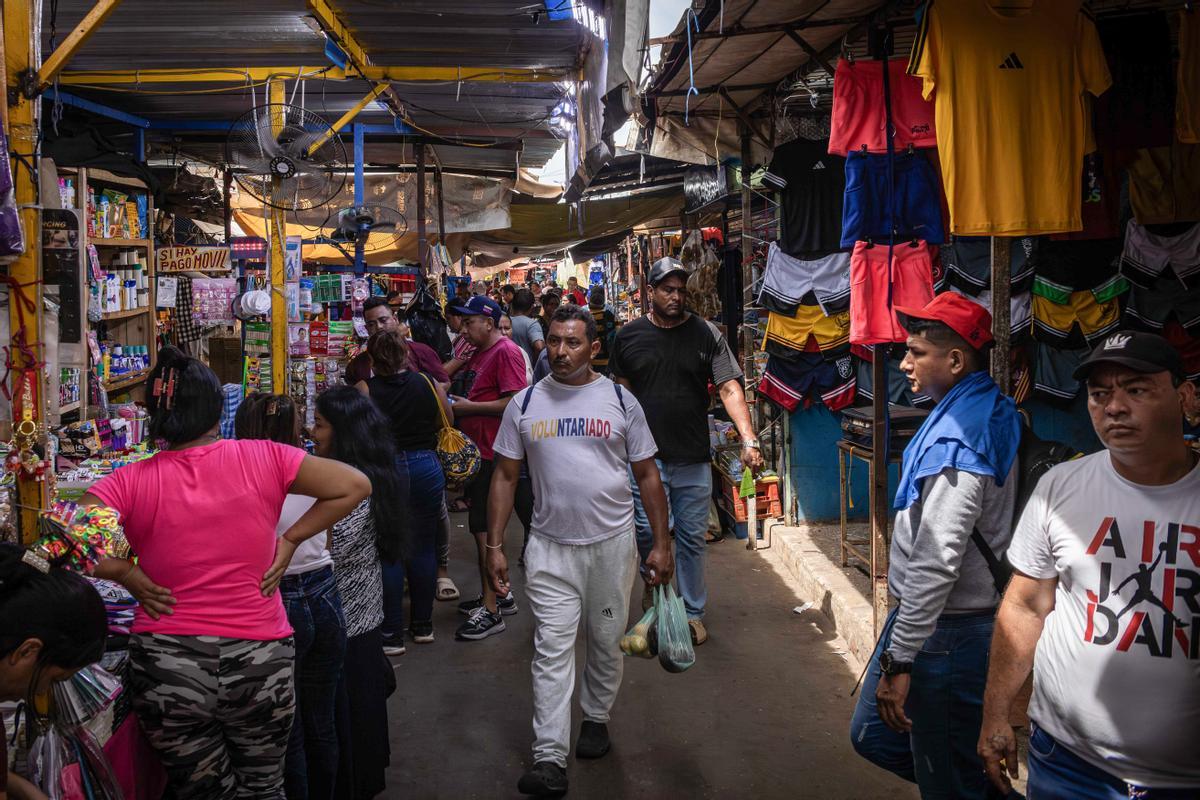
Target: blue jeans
[(945, 704), (314, 610), (421, 474), (689, 491), (1055, 773)]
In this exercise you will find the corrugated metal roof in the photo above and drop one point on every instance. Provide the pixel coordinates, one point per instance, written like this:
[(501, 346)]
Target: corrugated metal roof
[(191, 34)]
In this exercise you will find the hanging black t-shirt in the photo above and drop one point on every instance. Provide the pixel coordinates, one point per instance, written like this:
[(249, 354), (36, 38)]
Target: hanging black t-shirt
[(669, 370), (812, 183), (411, 407)]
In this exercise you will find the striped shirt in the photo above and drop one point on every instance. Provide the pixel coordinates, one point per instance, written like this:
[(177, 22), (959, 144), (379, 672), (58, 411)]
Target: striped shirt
[(357, 571)]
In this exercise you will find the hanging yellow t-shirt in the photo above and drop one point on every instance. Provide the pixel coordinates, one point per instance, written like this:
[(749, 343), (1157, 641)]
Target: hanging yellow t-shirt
[(1008, 90)]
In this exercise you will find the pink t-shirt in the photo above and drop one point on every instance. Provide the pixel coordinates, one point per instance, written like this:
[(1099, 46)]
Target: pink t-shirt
[(202, 523), (492, 373)]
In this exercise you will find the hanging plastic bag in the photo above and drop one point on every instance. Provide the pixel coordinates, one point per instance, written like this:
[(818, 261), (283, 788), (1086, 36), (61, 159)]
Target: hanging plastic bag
[(637, 641), (675, 651)]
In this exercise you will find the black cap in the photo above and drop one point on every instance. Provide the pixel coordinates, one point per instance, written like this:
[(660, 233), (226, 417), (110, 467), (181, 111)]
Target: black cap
[(663, 267), (1140, 352)]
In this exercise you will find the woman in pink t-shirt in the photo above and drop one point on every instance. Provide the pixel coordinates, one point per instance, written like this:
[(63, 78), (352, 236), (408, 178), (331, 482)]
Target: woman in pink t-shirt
[(212, 652)]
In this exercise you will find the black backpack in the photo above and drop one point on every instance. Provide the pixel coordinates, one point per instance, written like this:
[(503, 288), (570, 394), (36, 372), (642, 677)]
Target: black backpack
[(1035, 457)]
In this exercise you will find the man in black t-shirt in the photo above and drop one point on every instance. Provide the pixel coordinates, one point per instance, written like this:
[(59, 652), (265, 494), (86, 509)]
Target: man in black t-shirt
[(667, 359)]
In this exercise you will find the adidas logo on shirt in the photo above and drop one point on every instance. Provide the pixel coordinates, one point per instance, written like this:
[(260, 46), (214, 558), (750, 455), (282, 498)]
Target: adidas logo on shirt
[(607, 613), (819, 165), (1012, 62)]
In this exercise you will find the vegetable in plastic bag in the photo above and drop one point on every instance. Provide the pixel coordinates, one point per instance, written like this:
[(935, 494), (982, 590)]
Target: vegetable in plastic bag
[(675, 651), (637, 641)]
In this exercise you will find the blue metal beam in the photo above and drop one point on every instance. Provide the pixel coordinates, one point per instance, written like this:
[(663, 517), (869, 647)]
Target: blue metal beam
[(139, 145), (68, 99)]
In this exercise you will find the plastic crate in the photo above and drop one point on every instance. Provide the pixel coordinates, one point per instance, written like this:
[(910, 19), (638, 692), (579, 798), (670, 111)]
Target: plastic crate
[(766, 500)]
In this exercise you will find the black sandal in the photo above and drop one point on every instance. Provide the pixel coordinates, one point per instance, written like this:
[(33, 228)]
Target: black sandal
[(713, 538)]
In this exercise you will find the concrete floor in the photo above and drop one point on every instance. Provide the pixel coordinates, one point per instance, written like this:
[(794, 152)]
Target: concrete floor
[(762, 714)]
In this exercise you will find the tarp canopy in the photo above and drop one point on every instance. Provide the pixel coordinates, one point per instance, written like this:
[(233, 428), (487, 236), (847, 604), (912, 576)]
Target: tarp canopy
[(741, 68), (540, 227)]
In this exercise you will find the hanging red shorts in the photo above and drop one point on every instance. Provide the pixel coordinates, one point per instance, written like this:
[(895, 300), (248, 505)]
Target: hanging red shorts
[(859, 117), (872, 319)]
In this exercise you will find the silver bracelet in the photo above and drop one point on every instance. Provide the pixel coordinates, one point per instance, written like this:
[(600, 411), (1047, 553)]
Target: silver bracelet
[(493, 546)]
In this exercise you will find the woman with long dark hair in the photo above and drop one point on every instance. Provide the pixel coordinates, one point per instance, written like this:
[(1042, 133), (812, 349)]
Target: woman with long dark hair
[(413, 406), (52, 624), (347, 428), (212, 654), (314, 610)]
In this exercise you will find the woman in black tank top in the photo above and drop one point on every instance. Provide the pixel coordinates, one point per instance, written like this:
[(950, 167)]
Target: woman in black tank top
[(409, 400)]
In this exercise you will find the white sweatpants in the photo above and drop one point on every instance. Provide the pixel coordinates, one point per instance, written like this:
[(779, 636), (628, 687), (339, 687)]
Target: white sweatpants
[(567, 584)]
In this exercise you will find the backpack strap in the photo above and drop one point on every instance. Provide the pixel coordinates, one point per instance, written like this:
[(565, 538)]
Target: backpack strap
[(1001, 570), (527, 398), (620, 395)]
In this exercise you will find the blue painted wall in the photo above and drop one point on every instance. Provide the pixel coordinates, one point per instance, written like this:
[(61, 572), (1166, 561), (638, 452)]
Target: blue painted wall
[(1071, 425), (816, 431), (815, 434)]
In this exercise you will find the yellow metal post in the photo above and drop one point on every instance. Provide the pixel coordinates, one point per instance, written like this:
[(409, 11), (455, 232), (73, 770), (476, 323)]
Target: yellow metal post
[(346, 118), (277, 233), (75, 39), (25, 289)]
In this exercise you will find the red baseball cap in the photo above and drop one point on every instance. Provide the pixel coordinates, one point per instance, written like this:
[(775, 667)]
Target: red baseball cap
[(965, 317)]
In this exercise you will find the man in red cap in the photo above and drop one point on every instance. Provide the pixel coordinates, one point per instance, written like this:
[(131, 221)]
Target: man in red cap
[(921, 704)]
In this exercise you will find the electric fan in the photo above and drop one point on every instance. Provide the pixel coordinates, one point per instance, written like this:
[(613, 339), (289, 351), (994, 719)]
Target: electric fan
[(286, 157), (356, 226)]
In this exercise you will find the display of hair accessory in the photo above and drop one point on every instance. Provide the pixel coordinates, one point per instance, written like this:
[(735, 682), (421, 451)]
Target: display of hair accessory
[(78, 538)]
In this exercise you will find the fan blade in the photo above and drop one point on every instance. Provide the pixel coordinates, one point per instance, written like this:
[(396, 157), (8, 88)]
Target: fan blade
[(267, 145)]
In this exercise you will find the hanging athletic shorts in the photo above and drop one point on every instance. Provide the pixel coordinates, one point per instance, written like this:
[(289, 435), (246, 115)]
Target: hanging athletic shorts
[(1054, 372), (809, 379), (1020, 311), (899, 392), (858, 115), (1066, 267), (915, 211), (788, 280), (1151, 308), (872, 320), (1147, 255), (1054, 323), (967, 262), (793, 332)]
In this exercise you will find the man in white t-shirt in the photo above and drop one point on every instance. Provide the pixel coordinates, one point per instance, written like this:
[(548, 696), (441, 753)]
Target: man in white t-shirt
[(1103, 604), (581, 558)]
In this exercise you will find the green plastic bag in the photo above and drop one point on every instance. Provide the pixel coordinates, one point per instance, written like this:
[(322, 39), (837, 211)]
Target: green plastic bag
[(675, 651), (638, 641)]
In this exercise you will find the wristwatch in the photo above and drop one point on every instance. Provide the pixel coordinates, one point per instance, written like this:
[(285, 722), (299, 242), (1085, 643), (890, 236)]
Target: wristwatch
[(891, 666), (750, 443)]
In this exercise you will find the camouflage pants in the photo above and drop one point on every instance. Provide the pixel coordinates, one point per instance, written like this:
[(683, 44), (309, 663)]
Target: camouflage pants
[(217, 711)]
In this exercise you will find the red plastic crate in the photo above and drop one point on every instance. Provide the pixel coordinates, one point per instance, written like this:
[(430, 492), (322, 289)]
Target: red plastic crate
[(766, 499)]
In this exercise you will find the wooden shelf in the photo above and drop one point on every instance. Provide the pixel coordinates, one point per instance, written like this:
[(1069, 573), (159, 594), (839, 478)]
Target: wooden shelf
[(68, 408), (104, 176), (101, 242), (112, 316), (126, 381)]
